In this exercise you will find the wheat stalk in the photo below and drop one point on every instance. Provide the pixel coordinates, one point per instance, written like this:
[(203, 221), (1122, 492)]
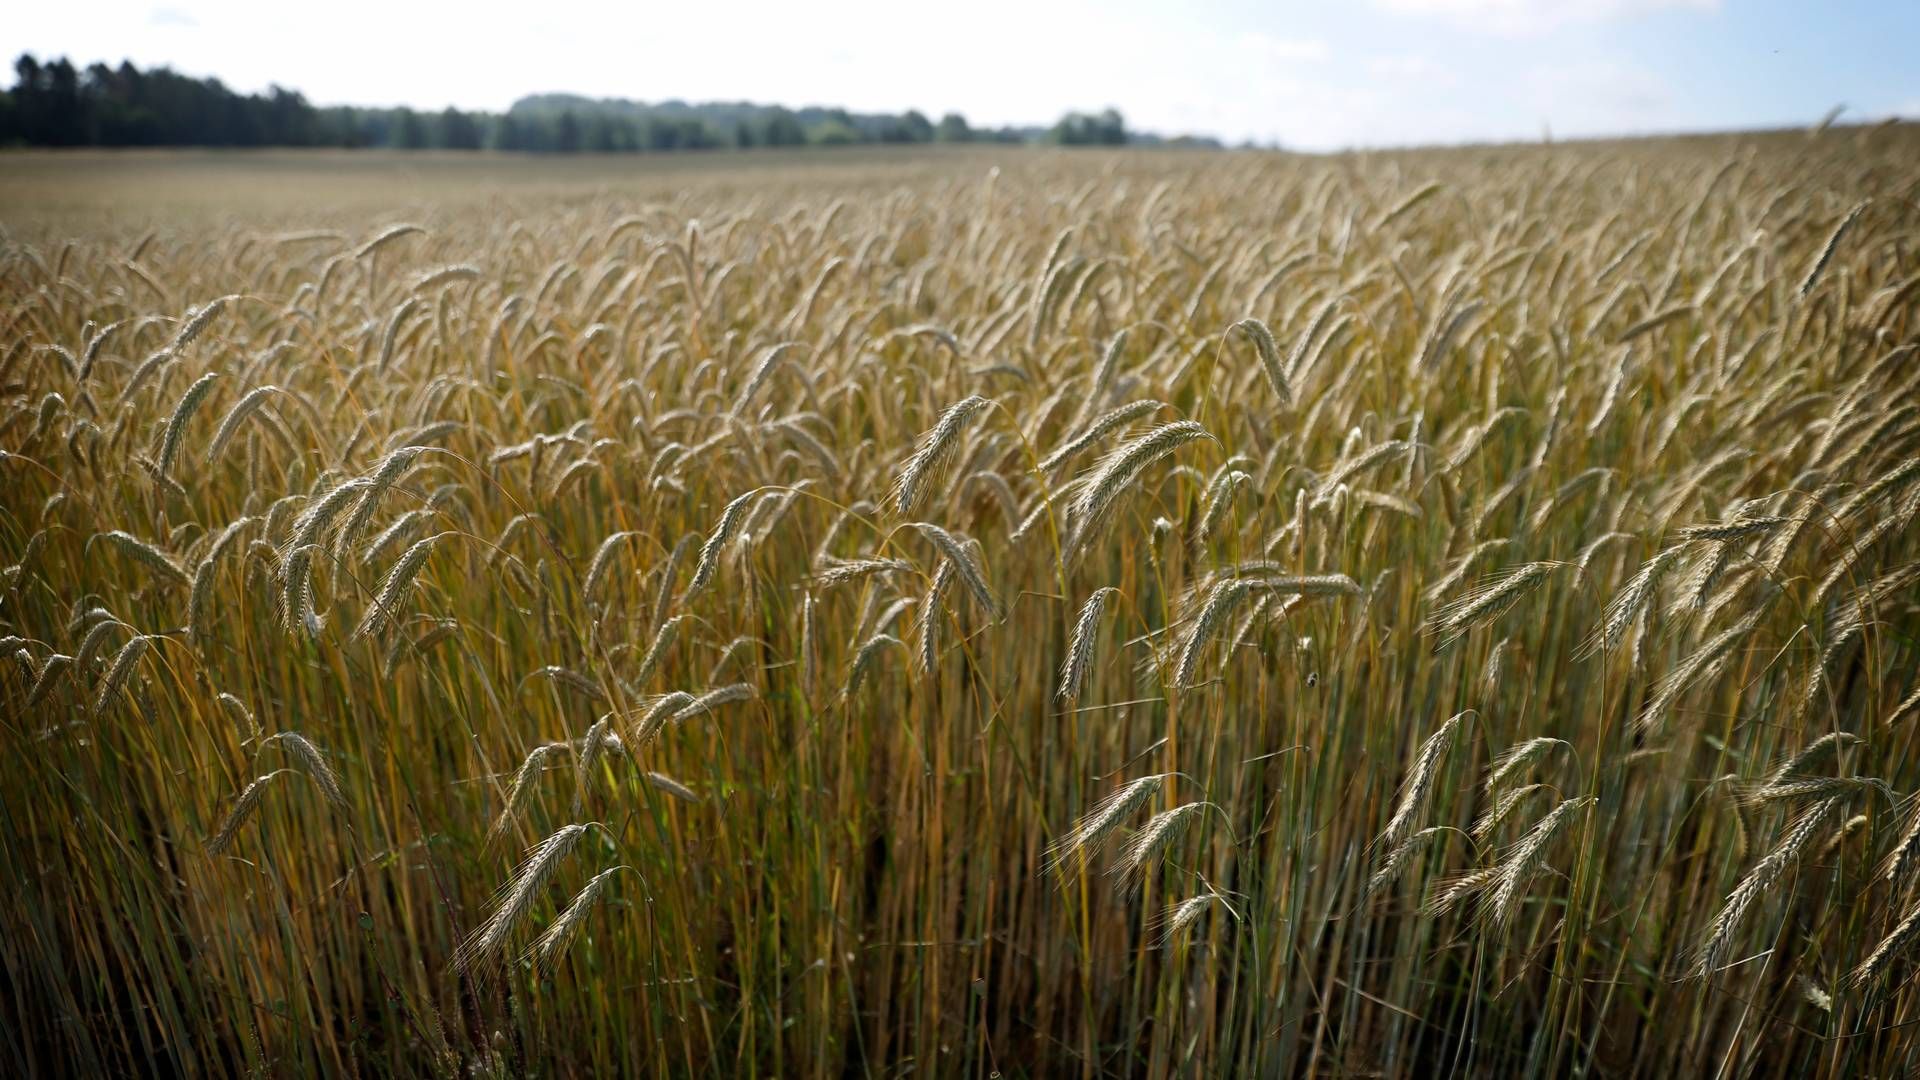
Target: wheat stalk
[(1073, 670), (1758, 882), (1098, 429), (1419, 782), (483, 946), (1119, 470), (182, 415), (394, 588), (311, 761), (552, 945), (1152, 840), (1269, 353), (1100, 822), (1826, 251), (936, 448), (722, 534), (242, 810), (1522, 862), (535, 762), (120, 672), (960, 556), (1495, 594)]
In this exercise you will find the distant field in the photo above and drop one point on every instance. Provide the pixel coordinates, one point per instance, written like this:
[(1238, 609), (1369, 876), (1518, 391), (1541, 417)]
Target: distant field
[(89, 188), (964, 613)]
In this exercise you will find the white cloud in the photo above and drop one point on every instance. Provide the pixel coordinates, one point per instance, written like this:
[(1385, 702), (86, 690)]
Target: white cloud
[(1290, 50), (1412, 68), (1521, 17), (166, 16), (1600, 96)]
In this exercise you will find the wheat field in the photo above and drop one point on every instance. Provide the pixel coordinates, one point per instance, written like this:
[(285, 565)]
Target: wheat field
[(973, 614)]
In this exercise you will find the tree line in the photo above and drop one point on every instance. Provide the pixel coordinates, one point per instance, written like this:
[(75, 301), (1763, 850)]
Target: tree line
[(57, 104)]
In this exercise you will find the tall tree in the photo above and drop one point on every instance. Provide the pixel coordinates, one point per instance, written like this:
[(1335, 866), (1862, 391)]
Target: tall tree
[(458, 130), (506, 133), (953, 128), (566, 133)]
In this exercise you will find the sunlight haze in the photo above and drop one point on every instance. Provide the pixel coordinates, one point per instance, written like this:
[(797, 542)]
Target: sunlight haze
[(1309, 76)]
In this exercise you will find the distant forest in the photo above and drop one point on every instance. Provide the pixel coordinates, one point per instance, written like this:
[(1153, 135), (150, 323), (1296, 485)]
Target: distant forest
[(57, 104)]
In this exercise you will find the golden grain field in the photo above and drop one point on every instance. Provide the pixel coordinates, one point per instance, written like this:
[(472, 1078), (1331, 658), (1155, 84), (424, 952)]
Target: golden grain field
[(1015, 613)]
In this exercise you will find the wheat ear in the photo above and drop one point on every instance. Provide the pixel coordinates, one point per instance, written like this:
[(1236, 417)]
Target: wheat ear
[(1086, 631), (483, 946), (936, 447)]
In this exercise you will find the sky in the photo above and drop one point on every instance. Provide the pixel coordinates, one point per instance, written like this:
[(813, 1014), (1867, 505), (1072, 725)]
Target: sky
[(1307, 75)]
